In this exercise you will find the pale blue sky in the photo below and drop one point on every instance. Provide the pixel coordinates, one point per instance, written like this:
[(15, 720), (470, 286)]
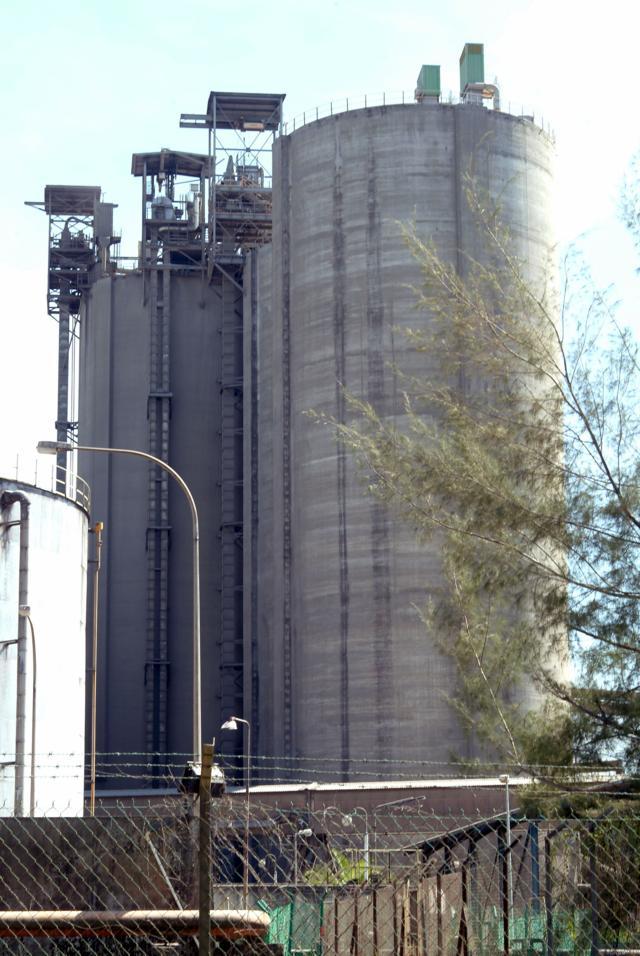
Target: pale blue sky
[(86, 84)]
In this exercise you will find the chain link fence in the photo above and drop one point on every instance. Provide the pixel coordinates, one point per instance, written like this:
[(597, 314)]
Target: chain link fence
[(324, 870)]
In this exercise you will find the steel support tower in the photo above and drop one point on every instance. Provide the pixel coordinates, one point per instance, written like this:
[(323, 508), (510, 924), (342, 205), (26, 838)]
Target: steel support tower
[(79, 226), (172, 242), (241, 128)]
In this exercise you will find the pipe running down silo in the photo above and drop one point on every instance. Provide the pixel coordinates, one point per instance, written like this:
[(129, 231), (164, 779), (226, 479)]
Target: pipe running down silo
[(7, 500)]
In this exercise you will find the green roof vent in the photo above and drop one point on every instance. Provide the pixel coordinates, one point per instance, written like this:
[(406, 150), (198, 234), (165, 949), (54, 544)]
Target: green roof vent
[(428, 82), (471, 65)]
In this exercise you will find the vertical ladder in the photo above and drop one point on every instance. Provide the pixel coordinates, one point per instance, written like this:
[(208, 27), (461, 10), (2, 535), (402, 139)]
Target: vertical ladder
[(158, 527), (62, 419), (231, 470)]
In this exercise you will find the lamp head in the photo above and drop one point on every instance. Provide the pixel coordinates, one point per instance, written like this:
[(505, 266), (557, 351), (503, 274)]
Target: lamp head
[(53, 447), (230, 724)]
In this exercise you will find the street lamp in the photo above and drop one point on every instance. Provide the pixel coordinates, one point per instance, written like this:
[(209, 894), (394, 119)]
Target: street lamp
[(25, 611), (347, 821), (232, 724), (504, 778), (307, 832), (53, 448)]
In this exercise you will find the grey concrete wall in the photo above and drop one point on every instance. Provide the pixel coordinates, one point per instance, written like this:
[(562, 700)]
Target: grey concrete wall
[(345, 667), (114, 392)]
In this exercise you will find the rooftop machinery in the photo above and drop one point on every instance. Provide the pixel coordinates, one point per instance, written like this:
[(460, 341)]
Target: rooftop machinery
[(80, 234), (239, 219)]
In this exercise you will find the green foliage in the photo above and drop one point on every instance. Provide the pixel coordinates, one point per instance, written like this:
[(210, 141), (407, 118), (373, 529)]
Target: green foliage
[(521, 460), (341, 870), (615, 843)]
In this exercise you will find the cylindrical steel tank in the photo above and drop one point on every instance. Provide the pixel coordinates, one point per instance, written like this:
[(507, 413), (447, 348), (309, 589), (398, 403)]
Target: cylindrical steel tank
[(145, 689), (341, 666), (43, 569)]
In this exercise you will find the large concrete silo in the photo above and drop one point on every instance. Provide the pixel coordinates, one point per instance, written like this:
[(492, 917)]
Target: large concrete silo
[(339, 663), (145, 646)]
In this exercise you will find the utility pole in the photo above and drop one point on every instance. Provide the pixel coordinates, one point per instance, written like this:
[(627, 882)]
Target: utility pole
[(204, 853)]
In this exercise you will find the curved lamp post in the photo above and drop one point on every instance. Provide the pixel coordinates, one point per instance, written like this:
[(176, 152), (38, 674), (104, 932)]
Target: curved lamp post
[(232, 724), (347, 820), (53, 448)]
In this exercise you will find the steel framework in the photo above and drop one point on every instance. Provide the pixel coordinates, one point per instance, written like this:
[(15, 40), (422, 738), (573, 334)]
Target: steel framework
[(241, 128), (80, 234)]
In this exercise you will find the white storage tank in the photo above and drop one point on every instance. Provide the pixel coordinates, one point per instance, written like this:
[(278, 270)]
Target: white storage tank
[(43, 571)]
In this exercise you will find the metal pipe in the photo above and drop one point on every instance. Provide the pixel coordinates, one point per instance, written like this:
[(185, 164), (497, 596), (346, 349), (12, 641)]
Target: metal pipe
[(98, 528), (53, 448), (39, 924), (247, 819), (163, 871), (7, 499), (25, 612)]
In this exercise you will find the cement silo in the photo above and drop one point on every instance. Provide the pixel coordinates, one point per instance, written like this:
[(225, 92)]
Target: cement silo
[(161, 355), (145, 646), (209, 360), (43, 570), (341, 664)]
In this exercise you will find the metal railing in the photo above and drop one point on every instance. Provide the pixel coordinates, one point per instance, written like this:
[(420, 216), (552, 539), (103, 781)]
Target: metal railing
[(44, 475), (399, 98)]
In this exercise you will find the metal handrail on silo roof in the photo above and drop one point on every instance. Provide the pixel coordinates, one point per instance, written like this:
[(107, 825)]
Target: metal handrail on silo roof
[(348, 104), (31, 472)]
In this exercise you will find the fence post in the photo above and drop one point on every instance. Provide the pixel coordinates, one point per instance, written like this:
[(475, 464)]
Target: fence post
[(503, 850), (422, 918), (354, 948), (535, 866), (548, 902), (394, 899), (375, 921), (462, 948), (439, 913), (593, 894), (204, 850)]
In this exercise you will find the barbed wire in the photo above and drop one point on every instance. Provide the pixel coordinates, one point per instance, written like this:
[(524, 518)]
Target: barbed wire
[(322, 766), (319, 762), (329, 880)]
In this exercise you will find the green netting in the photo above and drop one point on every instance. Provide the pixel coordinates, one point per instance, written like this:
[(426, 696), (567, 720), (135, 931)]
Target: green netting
[(296, 926), (571, 933)]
